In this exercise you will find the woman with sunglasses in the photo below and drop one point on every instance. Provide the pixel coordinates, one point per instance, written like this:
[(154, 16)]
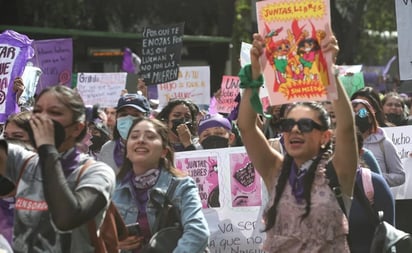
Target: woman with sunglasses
[(303, 213), (378, 143)]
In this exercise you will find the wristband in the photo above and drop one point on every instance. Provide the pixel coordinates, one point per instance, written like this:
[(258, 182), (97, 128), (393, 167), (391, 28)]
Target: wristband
[(245, 76)]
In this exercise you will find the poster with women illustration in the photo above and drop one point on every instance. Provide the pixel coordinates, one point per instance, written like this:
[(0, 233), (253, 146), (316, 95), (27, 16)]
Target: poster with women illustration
[(294, 66)]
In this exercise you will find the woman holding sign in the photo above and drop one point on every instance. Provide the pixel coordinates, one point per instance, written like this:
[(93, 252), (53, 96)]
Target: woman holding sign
[(303, 214)]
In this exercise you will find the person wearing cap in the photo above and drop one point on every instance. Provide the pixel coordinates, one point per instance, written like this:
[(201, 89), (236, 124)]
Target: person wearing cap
[(215, 131), (129, 107)]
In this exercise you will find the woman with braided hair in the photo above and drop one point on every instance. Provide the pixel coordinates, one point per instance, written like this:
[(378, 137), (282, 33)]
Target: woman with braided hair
[(303, 213)]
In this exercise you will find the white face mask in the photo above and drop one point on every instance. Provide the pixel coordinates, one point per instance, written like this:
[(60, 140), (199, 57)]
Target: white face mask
[(123, 125)]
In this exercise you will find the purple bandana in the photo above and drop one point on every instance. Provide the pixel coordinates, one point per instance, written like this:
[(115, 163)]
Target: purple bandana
[(70, 161), (147, 180), (118, 153), (296, 181)]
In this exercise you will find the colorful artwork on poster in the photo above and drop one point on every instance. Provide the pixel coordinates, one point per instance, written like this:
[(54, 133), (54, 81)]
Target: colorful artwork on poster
[(294, 66)]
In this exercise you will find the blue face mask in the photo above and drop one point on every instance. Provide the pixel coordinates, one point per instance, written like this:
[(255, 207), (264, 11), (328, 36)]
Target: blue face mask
[(123, 125)]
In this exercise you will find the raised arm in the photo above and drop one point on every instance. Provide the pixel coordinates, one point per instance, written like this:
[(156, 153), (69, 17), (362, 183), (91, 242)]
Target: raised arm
[(265, 159), (345, 159)]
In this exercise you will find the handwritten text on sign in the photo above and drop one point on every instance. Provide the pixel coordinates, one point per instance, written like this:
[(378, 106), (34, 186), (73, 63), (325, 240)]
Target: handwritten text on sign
[(101, 88), (161, 53)]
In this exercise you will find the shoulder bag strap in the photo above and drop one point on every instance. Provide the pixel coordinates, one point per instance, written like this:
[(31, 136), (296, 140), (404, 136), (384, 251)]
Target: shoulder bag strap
[(91, 225), (22, 169), (164, 208), (335, 186)]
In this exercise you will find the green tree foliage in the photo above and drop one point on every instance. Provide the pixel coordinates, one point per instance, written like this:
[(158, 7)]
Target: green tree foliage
[(351, 21)]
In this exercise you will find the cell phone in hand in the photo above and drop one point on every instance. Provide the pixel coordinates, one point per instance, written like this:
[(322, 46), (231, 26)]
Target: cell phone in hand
[(133, 229)]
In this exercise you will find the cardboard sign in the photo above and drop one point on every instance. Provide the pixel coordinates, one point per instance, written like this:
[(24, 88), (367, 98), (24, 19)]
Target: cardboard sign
[(161, 53)]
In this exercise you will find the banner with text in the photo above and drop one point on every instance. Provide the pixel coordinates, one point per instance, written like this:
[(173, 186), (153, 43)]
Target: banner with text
[(15, 50), (404, 26), (231, 193), (161, 53), (193, 84), (101, 88), (402, 138), (55, 59)]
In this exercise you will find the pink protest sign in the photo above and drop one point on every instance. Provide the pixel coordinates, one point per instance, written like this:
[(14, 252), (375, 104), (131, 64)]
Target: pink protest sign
[(245, 181), (294, 66), (204, 171), (228, 91)]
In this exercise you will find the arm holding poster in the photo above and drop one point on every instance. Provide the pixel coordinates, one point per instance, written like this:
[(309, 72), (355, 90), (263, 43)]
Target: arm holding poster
[(293, 181)]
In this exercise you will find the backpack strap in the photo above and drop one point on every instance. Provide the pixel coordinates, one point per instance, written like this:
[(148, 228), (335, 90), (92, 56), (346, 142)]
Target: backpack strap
[(163, 212), (334, 185), (22, 169), (367, 184)]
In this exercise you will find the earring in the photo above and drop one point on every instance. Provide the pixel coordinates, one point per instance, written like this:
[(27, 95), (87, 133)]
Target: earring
[(323, 146)]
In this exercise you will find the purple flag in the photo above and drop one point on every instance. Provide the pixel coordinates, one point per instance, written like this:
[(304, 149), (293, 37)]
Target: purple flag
[(127, 64), (15, 50), (55, 59)]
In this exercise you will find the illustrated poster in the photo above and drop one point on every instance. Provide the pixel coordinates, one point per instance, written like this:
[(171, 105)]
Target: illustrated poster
[(294, 66)]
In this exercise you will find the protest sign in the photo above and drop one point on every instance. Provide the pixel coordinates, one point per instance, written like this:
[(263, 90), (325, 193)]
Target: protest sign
[(101, 88), (193, 84), (161, 53), (55, 59), (231, 193), (404, 26), (294, 66), (229, 89), (15, 50), (401, 136), (30, 78)]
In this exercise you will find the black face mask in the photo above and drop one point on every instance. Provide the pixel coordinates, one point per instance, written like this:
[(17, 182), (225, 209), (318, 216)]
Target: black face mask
[(177, 122), (214, 141), (97, 142), (395, 118), (59, 134), (362, 123)]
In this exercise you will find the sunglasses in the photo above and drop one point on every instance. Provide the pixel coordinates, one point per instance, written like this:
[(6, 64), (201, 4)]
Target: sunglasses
[(305, 125), (362, 113)]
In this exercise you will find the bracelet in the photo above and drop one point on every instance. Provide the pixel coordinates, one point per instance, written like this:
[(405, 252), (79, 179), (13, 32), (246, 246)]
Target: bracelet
[(245, 76)]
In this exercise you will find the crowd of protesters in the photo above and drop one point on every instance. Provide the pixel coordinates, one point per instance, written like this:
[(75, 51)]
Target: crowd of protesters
[(132, 147)]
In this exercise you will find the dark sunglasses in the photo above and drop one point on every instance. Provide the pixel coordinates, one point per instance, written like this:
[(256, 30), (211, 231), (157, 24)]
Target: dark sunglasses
[(305, 125)]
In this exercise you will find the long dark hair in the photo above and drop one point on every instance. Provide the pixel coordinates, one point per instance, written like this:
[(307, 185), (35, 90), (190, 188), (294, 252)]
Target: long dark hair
[(324, 153), (167, 162), (164, 114)]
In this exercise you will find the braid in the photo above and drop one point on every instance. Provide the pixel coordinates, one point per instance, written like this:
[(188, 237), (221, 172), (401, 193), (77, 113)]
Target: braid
[(280, 187), (321, 159)]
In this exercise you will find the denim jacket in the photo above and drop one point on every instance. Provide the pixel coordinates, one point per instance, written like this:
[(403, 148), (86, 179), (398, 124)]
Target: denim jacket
[(186, 198)]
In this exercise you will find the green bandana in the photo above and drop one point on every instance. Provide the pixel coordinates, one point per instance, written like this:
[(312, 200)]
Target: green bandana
[(245, 76)]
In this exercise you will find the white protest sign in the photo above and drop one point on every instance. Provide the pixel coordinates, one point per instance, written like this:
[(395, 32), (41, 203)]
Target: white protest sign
[(402, 138), (233, 211), (193, 84), (404, 25), (101, 88)]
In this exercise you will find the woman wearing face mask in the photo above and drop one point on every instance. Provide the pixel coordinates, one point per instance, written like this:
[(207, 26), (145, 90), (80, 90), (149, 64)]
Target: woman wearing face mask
[(53, 202), (394, 109), (215, 131), (129, 107), (378, 143), (180, 117)]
